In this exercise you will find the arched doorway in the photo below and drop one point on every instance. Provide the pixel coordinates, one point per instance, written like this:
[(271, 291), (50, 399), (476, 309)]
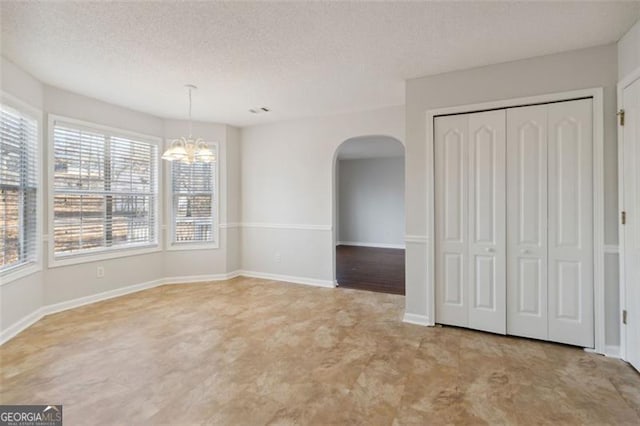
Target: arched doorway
[(368, 214)]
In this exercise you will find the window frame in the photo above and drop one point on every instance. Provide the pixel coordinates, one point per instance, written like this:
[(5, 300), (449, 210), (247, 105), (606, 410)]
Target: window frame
[(25, 269), (172, 245), (112, 252)]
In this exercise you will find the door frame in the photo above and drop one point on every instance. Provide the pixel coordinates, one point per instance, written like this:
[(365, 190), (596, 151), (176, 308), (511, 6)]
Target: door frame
[(622, 84), (598, 193)]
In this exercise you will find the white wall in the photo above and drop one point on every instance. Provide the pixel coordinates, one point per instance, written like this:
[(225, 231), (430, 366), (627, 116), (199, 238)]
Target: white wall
[(587, 68), (287, 189), (629, 52), (371, 201), (22, 297)]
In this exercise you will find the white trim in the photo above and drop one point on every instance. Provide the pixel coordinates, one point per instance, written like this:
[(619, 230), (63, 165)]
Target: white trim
[(186, 246), (288, 226), (91, 126), (19, 326), (622, 84), (416, 239), (25, 269), (171, 245), (376, 245), (110, 253), (230, 225), (24, 323), (599, 317), (416, 319), (288, 278), (98, 297), (191, 279), (612, 351), (598, 191), (611, 249), (20, 271), (114, 253), (38, 314)]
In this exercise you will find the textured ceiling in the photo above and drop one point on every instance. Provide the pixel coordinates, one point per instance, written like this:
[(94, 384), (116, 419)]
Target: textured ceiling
[(297, 58), (370, 147)]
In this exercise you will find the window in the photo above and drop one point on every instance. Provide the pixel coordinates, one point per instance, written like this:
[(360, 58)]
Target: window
[(194, 198), (104, 191), (18, 189)]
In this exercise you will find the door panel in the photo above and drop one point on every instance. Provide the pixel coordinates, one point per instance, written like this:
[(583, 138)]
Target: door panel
[(451, 219), (631, 231), (527, 221), (570, 251), (487, 245)]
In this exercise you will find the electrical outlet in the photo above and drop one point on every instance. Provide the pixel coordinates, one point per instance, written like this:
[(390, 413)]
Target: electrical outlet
[(277, 257), (100, 272)]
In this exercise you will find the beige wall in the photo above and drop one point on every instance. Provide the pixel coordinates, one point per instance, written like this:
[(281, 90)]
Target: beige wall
[(587, 68)]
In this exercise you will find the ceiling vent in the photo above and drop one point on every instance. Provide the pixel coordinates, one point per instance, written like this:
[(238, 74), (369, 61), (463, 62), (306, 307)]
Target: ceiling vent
[(259, 110)]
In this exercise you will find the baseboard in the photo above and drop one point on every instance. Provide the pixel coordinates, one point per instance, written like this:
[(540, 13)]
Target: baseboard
[(376, 245), (190, 279), (16, 328), (612, 351), (99, 297), (27, 321), (416, 319), (288, 278)]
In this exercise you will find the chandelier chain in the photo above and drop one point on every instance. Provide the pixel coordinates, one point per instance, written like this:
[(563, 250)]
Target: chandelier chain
[(190, 121), (189, 150)]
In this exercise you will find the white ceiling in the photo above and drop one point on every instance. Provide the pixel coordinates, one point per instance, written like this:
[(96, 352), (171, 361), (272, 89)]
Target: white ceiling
[(370, 147), (299, 59)]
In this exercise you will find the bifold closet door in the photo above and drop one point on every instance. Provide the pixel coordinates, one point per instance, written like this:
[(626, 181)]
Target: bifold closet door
[(451, 189), (527, 221), (470, 217), (550, 222), (631, 230), (570, 217), (487, 239)]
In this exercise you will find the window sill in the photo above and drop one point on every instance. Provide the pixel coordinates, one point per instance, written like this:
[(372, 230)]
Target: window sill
[(192, 246), (18, 272), (75, 259)]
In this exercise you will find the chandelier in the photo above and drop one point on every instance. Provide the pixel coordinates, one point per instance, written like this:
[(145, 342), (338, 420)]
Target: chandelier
[(189, 150)]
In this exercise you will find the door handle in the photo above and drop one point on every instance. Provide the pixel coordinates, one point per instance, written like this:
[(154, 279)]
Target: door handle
[(490, 250), (525, 251)]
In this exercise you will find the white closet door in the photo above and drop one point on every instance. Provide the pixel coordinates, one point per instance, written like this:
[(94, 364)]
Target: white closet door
[(451, 168), (631, 231), (570, 238), (527, 221), (487, 245)]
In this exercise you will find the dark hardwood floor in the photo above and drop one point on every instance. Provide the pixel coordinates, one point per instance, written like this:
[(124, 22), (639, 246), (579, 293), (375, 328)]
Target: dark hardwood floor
[(369, 268)]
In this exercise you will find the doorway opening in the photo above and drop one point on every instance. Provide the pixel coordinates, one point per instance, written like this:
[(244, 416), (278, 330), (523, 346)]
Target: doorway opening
[(368, 217)]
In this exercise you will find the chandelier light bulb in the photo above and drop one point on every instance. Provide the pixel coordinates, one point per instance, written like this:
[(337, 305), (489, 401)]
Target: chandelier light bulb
[(189, 150)]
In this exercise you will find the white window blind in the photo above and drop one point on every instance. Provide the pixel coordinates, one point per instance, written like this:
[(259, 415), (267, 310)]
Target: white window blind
[(105, 191), (194, 197), (18, 188)]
